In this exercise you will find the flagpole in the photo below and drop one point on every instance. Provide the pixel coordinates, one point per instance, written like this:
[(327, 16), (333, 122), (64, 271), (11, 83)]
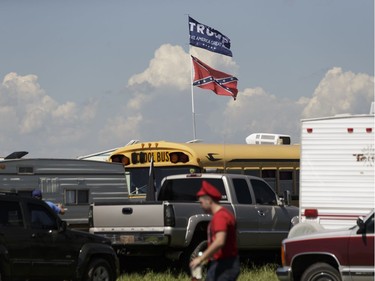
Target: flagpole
[(192, 95)]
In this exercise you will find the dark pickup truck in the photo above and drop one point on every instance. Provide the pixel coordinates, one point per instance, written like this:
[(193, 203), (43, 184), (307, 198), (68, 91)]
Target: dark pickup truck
[(36, 245), (175, 225)]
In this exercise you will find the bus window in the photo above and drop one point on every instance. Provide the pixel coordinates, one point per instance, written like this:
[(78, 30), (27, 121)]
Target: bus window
[(270, 177), (237, 171), (286, 181), (253, 172)]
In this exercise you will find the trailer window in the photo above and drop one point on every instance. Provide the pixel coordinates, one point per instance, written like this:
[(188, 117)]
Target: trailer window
[(76, 197)]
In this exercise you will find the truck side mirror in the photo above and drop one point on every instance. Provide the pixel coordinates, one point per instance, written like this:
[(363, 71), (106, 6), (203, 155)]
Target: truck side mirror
[(62, 226), (361, 225), (287, 197)]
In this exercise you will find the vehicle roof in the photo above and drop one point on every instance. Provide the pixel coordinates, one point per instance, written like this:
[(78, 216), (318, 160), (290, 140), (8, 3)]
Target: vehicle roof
[(211, 176), (339, 116)]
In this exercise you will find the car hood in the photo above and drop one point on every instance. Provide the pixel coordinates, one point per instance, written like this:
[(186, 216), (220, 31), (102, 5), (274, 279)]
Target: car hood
[(324, 233)]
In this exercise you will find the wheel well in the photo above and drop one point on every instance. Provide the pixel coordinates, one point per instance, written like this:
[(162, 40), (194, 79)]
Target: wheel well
[(200, 233), (106, 257), (301, 263)]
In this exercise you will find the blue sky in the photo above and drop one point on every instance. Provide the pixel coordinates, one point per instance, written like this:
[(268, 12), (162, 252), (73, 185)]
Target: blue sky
[(83, 76)]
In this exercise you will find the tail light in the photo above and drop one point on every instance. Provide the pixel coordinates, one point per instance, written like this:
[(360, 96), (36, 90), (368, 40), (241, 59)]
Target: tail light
[(311, 213), (176, 157), (118, 158), (169, 218)]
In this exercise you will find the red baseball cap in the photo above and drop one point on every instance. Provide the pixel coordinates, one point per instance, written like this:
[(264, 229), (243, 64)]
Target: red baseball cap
[(210, 190)]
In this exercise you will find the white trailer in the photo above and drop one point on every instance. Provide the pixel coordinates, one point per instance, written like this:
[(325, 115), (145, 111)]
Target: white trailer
[(74, 183), (337, 169)]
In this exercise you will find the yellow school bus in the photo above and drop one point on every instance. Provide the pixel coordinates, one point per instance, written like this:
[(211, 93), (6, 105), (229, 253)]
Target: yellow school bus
[(277, 164)]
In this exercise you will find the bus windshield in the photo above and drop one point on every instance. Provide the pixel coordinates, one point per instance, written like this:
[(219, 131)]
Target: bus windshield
[(137, 178)]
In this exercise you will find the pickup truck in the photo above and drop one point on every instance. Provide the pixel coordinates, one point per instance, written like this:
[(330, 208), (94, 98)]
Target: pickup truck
[(176, 227), (36, 244), (339, 255)]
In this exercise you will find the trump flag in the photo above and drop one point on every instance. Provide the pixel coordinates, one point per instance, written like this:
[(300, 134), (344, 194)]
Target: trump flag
[(203, 36), (208, 78)]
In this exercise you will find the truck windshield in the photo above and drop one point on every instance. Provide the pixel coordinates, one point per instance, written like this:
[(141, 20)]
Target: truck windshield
[(137, 178)]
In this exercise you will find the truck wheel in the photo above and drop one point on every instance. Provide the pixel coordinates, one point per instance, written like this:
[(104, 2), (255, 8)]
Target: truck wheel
[(190, 253), (99, 270), (321, 272), (201, 247)]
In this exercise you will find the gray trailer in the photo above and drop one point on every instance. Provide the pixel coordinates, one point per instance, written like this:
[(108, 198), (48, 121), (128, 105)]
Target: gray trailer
[(74, 183)]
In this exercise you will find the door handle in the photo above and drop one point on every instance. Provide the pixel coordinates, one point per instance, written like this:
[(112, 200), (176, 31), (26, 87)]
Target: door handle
[(261, 213), (127, 211)]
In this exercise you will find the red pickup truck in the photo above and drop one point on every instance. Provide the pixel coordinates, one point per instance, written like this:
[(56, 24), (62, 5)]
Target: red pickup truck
[(334, 255)]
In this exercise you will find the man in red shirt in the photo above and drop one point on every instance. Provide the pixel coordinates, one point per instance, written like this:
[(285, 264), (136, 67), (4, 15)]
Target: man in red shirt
[(222, 240)]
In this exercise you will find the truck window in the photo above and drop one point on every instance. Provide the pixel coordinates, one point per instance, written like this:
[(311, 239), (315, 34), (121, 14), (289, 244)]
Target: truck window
[(10, 214), (241, 188), (263, 193), (41, 218), (186, 189)]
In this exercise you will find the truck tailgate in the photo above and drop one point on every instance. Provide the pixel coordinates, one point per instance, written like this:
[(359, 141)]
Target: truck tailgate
[(134, 214)]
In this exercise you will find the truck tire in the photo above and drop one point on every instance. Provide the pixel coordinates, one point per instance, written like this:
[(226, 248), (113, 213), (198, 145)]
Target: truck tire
[(201, 247), (321, 272), (100, 270), (190, 253)]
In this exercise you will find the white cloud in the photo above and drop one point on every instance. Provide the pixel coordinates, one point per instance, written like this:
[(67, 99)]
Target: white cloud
[(120, 129), (169, 67), (341, 92), (136, 102), (29, 117)]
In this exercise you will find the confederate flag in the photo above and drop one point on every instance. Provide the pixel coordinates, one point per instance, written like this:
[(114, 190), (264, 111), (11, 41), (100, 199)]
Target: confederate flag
[(208, 78)]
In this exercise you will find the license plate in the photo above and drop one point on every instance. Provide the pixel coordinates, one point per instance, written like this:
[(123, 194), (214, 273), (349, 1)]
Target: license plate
[(127, 239)]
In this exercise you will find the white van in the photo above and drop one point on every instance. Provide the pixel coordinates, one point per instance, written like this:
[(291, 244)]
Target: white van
[(262, 138)]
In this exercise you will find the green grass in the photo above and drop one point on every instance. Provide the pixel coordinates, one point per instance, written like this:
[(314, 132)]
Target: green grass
[(253, 273)]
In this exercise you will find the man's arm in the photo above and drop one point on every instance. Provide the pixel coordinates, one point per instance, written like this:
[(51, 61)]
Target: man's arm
[(217, 244)]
